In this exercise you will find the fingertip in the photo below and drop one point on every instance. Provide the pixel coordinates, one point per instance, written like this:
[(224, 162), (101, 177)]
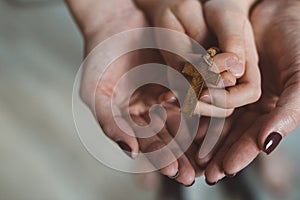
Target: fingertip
[(187, 177), (170, 170), (240, 155), (130, 148), (214, 174)]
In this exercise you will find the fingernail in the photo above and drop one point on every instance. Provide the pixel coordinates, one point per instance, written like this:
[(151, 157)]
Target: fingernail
[(230, 62), (228, 83), (127, 150), (209, 183), (272, 142), (206, 99), (237, 70), (175, 176), (191, 184), (229, 175)]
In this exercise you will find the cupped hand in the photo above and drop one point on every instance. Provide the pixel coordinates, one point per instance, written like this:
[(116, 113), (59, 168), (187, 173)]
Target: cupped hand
[(110, 106), (261, 126)]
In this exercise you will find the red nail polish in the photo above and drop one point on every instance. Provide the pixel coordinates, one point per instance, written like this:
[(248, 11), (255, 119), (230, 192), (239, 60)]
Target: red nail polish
[(191, 184), (209, 183), (229, 175), (272, 142), (127, 150), (175, 176)]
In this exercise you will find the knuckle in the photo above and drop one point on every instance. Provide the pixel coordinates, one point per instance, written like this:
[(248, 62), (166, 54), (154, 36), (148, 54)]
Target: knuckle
[(255, 94), (197, 34), (183, 6), (235, 43), (234, 13)]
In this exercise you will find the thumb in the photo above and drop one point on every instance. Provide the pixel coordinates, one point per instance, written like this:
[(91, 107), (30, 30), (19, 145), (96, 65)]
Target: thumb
[(279, 123)]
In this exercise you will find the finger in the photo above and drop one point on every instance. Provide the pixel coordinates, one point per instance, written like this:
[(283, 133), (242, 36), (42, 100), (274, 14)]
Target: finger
[(214, 136), (184, 139), (236, 96), (228, 26), (230, 62), (181, 44), (202, 108), (226, 80), (282, 120), (243, 151), (191, 11), (247, 91), (235, 35), (202, 129), (155, 150), (266, 133), (214, 172), (116, 128), (190, 153), (186, 172)]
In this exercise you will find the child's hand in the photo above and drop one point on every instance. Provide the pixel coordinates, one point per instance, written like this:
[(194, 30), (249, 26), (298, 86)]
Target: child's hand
[(234, 35)]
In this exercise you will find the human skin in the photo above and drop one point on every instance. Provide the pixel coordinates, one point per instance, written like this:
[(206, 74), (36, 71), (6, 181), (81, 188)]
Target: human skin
[(260, 126), (228, 21), (94, 33), (98, 21)]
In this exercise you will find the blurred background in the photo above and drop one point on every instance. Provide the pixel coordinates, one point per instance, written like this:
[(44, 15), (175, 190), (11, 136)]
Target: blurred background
[(41, 156)]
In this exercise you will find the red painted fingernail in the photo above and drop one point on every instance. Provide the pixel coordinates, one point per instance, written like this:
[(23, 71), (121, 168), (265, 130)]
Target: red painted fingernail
[(229, 175), (191, 184), (272, 142), (175, 176), (209, 183), (127, 150)]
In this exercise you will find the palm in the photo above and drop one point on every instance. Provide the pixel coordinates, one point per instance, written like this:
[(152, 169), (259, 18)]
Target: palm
[(278, 57), (278, 49), (125, 119), (276, 26)]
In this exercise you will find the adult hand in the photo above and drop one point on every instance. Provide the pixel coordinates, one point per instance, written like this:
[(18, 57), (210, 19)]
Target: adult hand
[(261, 126), (99, 95), (228, 20)]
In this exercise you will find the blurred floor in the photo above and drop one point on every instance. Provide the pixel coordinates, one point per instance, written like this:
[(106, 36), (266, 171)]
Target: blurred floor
[(41, 156)]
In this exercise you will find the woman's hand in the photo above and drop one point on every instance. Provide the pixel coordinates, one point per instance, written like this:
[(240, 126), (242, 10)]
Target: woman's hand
[(261, 126), (108, 102)]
